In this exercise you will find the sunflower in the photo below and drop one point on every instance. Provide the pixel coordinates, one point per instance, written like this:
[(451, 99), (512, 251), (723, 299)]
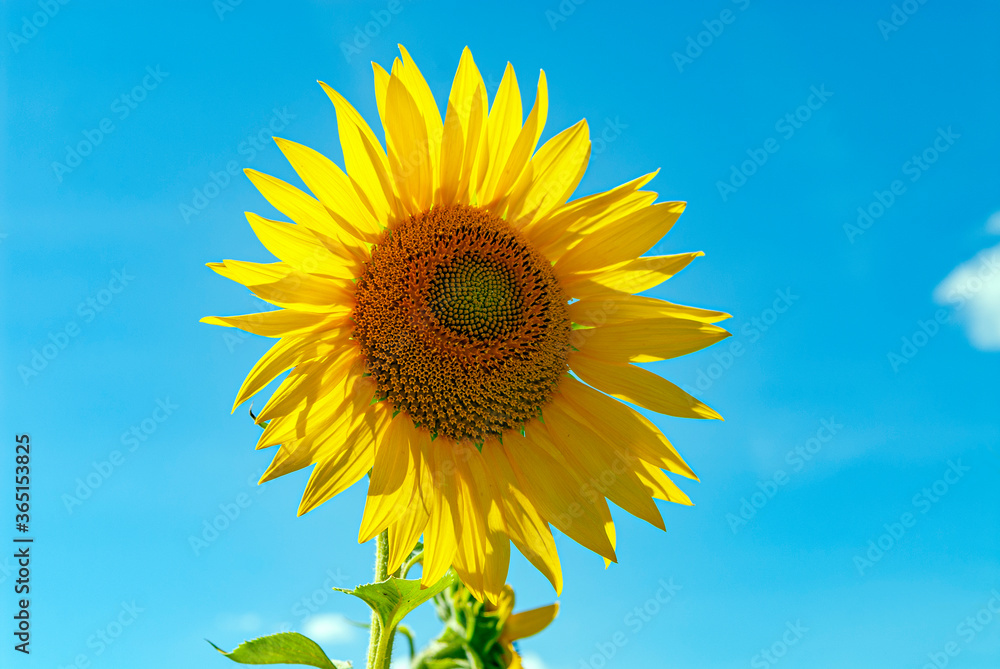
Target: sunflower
[(462, 331)]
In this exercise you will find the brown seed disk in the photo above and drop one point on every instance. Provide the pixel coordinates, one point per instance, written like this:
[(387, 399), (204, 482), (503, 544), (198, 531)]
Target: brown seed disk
[(462, 324)]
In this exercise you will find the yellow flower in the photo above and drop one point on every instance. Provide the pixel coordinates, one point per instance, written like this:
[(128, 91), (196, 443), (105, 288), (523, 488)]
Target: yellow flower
[(519, 625), (434, 300)]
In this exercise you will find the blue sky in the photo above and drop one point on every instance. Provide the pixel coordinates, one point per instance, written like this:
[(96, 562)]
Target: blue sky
[(861, 395)]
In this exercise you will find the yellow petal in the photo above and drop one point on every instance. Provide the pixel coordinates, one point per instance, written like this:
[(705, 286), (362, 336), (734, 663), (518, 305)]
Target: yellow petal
[(551, 176), (298, 247), (313, 415), (381, 86), (331, 477), (646, 341), (409, 159), (553, 234), (505, 604), (331, 446), (325, 378), (392, 487), (639, 386), (527, 529), (621, 240), (628, 277), (524, 146), (557, 490), (405, 531), (464, 131), (306, 292), (613, 309), (285, 286), (529, 623), (440, 543), (364, 157), (277, 323), (624, 426), (251, 273), (326, 425), (491, 509), (329, 183), (660, 486), (471, 535), (285, 354), (415, 83), (296, 205), (502, 129), (609, 470)]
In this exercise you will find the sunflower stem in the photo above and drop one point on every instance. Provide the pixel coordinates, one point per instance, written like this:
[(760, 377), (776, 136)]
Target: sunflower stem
[(379, 649)]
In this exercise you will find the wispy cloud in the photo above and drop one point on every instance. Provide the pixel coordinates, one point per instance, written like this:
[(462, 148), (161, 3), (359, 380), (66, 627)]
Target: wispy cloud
[(993, 225), (329, 628), (973, 291), (244, 623)]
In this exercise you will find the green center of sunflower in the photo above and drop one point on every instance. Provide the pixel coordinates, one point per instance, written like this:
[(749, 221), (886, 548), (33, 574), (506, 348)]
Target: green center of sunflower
[(462, 324), (475, 296)]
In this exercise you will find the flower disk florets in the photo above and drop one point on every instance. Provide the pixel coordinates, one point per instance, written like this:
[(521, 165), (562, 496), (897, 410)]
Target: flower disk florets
[(461, 323)]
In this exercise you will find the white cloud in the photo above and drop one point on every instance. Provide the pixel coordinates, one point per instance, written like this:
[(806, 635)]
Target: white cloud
[(329, 628), (973, 290), (532, 661), (993, 225)]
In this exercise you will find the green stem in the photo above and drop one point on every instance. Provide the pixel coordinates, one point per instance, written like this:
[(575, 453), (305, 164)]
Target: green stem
[(378, 658), (383, 653)]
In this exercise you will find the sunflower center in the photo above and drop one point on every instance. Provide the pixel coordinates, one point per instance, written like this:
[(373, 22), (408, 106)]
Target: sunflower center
[(476, 296), (462, 324)]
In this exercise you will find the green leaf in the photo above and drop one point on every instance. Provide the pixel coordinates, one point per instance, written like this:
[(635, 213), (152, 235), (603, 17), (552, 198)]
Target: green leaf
[(393, 598), (283, 648)]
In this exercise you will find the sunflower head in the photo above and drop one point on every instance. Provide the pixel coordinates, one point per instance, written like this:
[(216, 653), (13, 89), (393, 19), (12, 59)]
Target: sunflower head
[(462, 324), (455, 326)]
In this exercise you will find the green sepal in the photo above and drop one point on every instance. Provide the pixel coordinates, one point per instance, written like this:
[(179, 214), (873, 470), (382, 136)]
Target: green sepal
[(282, 648), (394, 598)]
